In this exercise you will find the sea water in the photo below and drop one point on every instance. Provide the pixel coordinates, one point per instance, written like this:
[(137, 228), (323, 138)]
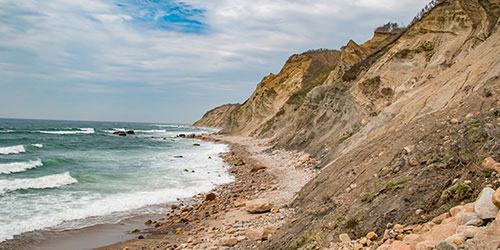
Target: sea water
[(58, 175)]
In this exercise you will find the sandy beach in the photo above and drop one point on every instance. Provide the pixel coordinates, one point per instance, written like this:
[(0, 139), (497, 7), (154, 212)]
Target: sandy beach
[(260, 173)]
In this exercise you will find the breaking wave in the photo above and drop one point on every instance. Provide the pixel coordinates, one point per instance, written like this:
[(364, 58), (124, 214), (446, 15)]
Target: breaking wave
[(17, 167), (49, 181), (12, 150)]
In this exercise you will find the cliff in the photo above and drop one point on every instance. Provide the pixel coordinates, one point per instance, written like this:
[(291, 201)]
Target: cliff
[(217, 117), (355, 111)]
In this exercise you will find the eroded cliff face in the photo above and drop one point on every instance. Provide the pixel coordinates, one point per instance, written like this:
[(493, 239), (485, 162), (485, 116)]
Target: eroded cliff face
[(365, 104), (217, 117)]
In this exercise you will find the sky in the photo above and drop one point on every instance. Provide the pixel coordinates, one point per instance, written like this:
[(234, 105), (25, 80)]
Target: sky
[(160, 60)]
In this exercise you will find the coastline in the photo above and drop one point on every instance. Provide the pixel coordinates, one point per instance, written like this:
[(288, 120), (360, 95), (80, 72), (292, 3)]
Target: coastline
[(223, 222), (195, 222)]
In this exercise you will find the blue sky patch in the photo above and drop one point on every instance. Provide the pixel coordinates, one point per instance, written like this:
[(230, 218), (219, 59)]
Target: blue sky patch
[(165, 14)]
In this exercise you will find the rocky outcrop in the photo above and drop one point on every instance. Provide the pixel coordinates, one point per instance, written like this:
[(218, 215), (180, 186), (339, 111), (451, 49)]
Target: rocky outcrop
[(217, 117), (358, 109)]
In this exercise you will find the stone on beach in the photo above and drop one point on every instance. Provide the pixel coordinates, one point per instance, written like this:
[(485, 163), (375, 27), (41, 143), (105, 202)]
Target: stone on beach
[(496, 198), (258, 166), (257, 234), (344, 238), (258, 206), (210, 197), (304, 158)]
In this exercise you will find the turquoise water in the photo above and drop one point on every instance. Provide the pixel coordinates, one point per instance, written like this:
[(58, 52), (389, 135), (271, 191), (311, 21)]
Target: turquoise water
[(60, 175)]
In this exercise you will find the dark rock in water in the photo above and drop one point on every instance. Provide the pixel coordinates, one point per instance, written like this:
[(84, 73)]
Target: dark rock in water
[(120, 133), (178, 156), (191, 136), (210, 157), (185, 170), (196, 144), (210, 197), (135, 231), (148, 222), (140, 237), (182, 135), (130, 132)]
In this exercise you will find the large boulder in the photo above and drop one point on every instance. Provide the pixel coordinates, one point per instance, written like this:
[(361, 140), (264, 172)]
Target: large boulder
[(496, 198), (257, 234), (258, 206), (484, 206)]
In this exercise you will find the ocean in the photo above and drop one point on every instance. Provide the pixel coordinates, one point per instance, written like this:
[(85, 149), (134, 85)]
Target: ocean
[(59, 175)]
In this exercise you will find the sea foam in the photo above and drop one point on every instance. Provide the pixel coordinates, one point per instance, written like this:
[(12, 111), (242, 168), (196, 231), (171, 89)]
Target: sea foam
[(37, 145), (12, 150), (17, 167), (71, 132), (49, 181)]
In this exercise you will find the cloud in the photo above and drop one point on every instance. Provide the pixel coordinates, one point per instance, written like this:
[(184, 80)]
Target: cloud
[(217, 49)]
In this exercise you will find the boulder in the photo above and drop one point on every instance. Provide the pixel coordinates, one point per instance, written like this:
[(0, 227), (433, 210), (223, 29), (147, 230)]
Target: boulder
[(484, 206), (470, 219), (344, 238), (210, 197), (304, 158), (496, 198), (409, 149), (196, 144), (130, 132), (489, 163), (455, 210), (371, 236), (399, 245), (425, 245), (457, 239), (257, 234), (120, 133), (446, 245), (229, 242), (258, 166), (258, 206)]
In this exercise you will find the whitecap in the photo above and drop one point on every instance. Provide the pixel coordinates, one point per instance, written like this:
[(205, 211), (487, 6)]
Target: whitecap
[(17, 167), (71, 132), (49, 181), (7, 131), (36, 145), (152, 131), (12, 150)]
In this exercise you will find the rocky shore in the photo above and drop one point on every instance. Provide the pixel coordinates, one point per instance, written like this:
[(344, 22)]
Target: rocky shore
[(239, 215)]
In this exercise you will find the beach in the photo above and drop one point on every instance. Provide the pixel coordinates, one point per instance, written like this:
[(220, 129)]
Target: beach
[(224, 221)]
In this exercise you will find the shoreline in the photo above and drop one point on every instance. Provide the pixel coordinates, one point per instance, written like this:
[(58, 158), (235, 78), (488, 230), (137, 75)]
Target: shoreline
[(218, 219), (195, 222)]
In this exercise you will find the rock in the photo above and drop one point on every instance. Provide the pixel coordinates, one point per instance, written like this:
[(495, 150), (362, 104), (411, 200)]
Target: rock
[(465, 218), (399, 245), (258, 206), (130, 132), (454, 121), (409, 149), (304, 158), (120, 133), (135, 231), (257, 234), (455, 210), (148, 222), (398, 227), (344, 238), (425, 245), (414, 162), (126, 248), (196, 144), (457, 239), (229, 242), (210, 197), (496, 198), (258, 166), (419, 211), (441, 217), (182, 135), (358, 246), (412, 240), (239, 203), (174, 207), (140, 237), (468, 231), (484, 206), (179, 231), (489, 163), (371, 236), (446, 245)]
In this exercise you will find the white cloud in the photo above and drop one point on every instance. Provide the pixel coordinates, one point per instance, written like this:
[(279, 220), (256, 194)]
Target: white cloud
[(95, 42)]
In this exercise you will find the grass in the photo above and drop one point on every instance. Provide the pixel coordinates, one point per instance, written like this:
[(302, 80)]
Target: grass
[(368, 197), (395, 184), (351, 223), (299, 97), (310, 236)]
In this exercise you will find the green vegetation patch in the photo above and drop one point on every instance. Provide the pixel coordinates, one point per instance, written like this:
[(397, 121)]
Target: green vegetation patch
[(395, 184), (308, 237)]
